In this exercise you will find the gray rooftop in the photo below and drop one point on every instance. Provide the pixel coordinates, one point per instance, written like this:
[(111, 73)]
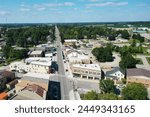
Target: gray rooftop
[(138, 72), (115, 69)]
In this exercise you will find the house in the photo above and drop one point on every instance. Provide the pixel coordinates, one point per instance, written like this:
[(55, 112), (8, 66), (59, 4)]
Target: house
[(86, 71), (115, 74), (3, 96), (139, 75), (37, 53), (31, 92)]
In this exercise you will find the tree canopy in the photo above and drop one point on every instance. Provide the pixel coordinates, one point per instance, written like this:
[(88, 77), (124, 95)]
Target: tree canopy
[(107, 86), (108, 96), (91, 95), (103, 54), (127, 61), (134, 91)]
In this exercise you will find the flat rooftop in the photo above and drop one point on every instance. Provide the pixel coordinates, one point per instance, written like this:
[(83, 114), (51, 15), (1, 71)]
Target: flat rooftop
[(88, 66), (70, 40), (136, 72), (36, 52)]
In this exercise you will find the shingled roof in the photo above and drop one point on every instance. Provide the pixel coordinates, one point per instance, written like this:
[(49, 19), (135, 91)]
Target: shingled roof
[(138, 72)]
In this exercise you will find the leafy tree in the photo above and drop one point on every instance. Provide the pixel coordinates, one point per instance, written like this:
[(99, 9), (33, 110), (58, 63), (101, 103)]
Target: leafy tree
[(134, 91), (127, 61), (108, 96), (107, 86), (125, 34), (138, 37), (103, 54), (92, 95)]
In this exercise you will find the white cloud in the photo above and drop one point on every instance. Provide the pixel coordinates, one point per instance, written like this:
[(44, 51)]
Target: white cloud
[(39, 7), (4, 13), (59, 4), (69, 4), (25, 9), (94, 0), (107, 4)]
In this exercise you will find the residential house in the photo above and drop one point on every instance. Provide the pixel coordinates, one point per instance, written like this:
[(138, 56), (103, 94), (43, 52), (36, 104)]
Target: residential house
[(115, 74)]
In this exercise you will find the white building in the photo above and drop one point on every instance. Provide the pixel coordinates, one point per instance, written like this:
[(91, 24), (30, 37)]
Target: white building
[(86, 71), (38, 53), (70, 42), (36, 65), (115, 74), (19, 67), (76, 57)]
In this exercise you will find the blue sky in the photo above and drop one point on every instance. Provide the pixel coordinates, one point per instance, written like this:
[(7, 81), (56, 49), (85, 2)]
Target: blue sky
[(51, 11)]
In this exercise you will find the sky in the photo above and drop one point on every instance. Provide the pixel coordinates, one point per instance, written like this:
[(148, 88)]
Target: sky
[(67, 11)]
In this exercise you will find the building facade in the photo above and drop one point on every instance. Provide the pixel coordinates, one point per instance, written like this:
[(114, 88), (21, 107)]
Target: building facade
[(86, 71)]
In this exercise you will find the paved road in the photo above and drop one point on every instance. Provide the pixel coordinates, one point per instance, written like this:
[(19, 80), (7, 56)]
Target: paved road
[(145, 62), (61, 70)]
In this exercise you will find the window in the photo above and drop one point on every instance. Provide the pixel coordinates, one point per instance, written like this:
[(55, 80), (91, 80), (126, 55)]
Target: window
[(96, 78), (98, 73), (85, 77), (91, 78)]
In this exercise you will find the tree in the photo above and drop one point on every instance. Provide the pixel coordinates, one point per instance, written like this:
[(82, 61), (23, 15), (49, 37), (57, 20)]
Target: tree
[(133, 44), (134, 91), (138, 37), (127, 61), (103, 54), (92, 95), (108, 96), (125, 34), (107, 86)]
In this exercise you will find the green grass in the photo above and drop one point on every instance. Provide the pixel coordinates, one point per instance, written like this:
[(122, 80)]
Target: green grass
[(148, 59)]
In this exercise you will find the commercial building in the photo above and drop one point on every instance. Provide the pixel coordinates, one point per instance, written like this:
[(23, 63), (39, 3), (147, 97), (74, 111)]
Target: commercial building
[(139, 76), (37, 65), (70, 42), (31, 92), (24, 82), (76, 57), (86, 71), (38, 53)]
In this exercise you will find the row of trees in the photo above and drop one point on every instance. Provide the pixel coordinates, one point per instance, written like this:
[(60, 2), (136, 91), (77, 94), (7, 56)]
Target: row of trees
[(30, 36), (91, 32), (13, 54), (133, 91)]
